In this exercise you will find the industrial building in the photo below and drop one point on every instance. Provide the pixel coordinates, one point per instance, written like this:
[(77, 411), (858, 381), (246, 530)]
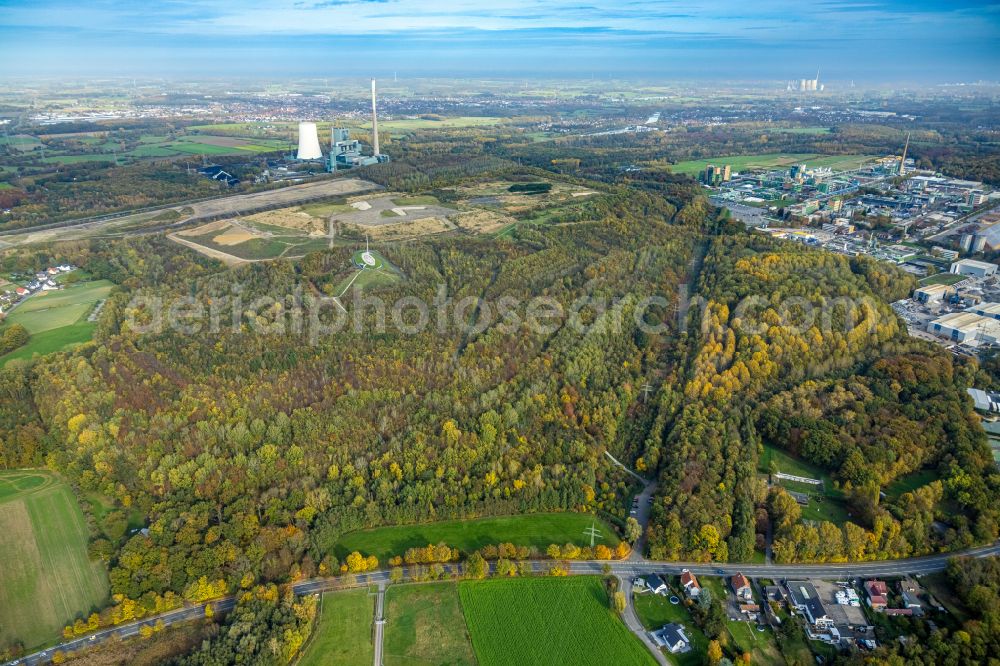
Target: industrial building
[(985, 401), (345, 153), (966, 327), (804, 598), (973, 268), (991, 310), (934, 293)]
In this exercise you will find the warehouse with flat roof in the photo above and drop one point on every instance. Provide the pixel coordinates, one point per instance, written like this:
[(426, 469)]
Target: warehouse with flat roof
[(991, 310), (933, 293), (973, 268), (966, 327)]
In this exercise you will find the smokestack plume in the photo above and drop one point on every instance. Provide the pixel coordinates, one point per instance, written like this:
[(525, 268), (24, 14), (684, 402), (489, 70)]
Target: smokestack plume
[(375, 149)]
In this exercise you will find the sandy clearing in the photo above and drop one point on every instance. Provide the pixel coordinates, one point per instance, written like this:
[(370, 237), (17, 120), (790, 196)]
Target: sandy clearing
[(482, 221), (234, 236), (227, 259), (288, 218), (218, 225), (583, 194), (361, 205), (402, 229)]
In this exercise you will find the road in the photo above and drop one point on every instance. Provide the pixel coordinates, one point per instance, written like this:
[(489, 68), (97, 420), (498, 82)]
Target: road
[(627, 569), (201, 210), (632, 620), (379, 622)]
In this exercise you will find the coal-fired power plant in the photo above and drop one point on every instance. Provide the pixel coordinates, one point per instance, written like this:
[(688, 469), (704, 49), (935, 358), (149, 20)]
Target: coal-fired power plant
[(345, 153), (309, 142)]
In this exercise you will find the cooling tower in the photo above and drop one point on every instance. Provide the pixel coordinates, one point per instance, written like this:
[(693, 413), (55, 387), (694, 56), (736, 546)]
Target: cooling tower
[(309, 142)]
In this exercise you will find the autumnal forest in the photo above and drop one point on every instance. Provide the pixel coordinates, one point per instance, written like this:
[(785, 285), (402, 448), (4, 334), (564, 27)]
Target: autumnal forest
[(250, 450)]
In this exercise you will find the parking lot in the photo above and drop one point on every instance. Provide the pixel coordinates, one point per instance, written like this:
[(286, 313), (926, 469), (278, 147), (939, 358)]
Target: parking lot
[(850, 620)]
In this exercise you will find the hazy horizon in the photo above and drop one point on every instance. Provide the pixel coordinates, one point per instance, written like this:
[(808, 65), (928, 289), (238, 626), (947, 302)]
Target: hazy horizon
[(869, 42)]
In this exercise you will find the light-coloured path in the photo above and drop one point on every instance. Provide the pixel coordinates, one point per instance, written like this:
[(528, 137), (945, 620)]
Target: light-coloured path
[(379, 622), (633, 623)]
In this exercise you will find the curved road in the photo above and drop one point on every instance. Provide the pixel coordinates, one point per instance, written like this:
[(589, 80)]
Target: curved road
[(623, 569)]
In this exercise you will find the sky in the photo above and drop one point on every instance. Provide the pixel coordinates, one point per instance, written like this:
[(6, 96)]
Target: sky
[(870, 41)]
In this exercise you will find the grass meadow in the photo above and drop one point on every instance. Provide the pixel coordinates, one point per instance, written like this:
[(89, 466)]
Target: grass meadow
[(771, 161), (46, 577), (536, 529), (57, 320), (541, 621), (425, 626), (343, 633)]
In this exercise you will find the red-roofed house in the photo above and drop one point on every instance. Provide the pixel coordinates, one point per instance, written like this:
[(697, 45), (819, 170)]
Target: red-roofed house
[(741, 586), (878, 594), (690, 584)]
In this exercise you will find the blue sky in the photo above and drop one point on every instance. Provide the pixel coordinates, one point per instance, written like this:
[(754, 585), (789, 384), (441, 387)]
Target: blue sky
[(863, 40)]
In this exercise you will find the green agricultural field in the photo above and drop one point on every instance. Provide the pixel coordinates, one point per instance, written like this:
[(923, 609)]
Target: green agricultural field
[(46, 578), (343, 634), (771, 161), (57, 320), (543, 621), (425, 627), (536, 529), (458, 122), (46, 311), (49, 342)]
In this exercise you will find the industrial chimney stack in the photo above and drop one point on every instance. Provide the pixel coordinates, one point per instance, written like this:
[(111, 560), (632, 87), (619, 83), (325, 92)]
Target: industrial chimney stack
[(375, 150)]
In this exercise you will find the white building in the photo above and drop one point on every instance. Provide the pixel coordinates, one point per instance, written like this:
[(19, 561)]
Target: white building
[(991, 310), (966, 327), (933, 293), (973, 268)]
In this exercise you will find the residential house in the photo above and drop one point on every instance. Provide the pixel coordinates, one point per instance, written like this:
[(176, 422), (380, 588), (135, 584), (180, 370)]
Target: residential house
[(804, 599), (690, 584), (672, 637), (741, 586), (750, 610), (653, 583), (878, 594)]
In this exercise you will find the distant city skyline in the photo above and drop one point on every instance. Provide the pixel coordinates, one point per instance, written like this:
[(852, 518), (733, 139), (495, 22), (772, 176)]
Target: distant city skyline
[(869, 41)]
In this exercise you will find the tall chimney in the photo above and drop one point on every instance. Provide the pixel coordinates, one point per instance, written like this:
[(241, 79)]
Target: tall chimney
[(374, 123), (902, 160)]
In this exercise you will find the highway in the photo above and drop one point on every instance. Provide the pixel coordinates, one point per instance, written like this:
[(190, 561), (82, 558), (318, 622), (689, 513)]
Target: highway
[(623, 569)]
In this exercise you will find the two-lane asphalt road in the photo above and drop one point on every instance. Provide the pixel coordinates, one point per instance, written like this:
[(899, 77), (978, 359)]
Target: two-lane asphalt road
[(624, 569)]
